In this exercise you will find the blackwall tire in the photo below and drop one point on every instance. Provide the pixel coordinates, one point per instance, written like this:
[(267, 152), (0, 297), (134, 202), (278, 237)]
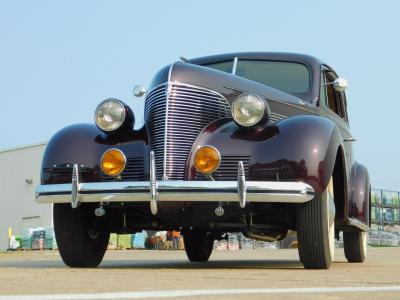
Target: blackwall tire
[(198, 246), (316, 230), (355, 246), (78, 244)]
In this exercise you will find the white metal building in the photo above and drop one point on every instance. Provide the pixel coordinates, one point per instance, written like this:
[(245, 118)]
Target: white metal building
[(19, 177)]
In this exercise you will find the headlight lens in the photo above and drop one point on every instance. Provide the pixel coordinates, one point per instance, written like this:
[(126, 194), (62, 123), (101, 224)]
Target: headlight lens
[(248, 110), (110, 115)]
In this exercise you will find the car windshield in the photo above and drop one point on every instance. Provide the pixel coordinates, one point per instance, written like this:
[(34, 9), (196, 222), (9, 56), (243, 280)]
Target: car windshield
[(290, 77)]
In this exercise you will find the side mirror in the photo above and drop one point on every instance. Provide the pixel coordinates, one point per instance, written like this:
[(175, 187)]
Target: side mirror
[(139, 91), (340, 84)]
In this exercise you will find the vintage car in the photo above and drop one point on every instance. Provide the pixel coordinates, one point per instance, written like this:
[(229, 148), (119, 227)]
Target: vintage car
[(257, 143)]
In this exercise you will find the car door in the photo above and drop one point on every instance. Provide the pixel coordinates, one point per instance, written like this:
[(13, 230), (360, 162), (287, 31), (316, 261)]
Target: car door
[(334, 106)]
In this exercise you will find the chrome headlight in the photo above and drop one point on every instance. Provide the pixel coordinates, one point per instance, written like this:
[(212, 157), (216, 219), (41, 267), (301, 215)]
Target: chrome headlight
[(110, 115), (249, 109)]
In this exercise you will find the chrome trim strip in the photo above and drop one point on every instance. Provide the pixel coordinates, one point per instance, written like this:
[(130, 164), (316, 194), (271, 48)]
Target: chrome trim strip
[(235, 89), (168, 92), (75, 187), (278, 116), (235, 61), (153, 184), (178, 190), (350, 139), (308, 108), (200, 88), (241, 184)]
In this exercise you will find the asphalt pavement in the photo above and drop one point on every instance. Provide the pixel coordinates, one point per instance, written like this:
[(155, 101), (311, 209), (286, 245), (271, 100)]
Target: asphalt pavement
[(248, 274)]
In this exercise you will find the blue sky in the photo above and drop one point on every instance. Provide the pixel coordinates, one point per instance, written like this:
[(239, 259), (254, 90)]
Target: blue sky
[(59, 59)]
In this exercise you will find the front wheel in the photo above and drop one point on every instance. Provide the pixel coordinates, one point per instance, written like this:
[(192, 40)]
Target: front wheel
[(198, 246), (316, 230), (81, 240), (355, 246)]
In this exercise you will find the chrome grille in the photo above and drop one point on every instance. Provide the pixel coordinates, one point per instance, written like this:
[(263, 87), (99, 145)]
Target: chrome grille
[(228, 169), (134, 171), (274, 117), (174, 123)]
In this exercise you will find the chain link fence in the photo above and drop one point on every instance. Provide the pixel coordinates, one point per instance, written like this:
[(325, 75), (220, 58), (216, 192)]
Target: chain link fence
[(385, 210), (385, 218)]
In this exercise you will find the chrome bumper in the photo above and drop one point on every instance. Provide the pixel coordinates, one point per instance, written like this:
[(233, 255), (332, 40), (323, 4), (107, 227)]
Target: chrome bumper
[(154, 191), (193, 191)]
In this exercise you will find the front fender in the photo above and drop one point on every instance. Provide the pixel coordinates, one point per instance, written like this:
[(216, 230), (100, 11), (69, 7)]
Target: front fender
[(300, 148), (84, 144)]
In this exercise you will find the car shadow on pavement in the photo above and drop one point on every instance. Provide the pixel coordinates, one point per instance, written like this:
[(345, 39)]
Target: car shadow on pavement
[(212, 264), (161, 264)]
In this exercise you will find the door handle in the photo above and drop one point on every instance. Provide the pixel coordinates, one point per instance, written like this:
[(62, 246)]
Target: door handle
[(351, 139)]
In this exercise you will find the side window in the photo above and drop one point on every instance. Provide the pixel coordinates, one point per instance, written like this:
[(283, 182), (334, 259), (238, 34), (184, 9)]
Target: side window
[(335, 100), (344, 102), (331, 99), (322, 91)]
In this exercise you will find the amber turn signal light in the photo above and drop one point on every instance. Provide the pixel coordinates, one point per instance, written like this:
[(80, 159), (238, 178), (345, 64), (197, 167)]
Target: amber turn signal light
[(207, 159), (113, 162)]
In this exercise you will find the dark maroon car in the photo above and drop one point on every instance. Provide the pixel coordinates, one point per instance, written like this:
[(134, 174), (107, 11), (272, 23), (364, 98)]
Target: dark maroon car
[(257, 143)]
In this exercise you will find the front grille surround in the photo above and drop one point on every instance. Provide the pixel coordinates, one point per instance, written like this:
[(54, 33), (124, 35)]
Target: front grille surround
[(186, 110)]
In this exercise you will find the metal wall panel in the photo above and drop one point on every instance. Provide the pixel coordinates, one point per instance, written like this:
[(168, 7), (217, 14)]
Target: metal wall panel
[(20, 174)]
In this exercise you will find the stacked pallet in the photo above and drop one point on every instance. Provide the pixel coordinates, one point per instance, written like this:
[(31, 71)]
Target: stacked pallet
[(124, 241)]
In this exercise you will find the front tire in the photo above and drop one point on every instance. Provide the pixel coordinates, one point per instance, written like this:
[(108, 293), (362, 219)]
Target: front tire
[(81, 243), (355, 246), (316, 230), (198, 246)]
